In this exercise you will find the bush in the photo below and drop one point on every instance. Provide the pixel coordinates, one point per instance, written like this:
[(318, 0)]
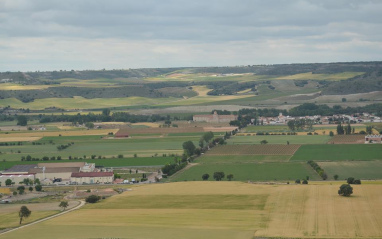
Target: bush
[(218, 176), (205, 176), (335, 177), (350, 180), (92, 199), (305, 182), (298, 181), (38, 188), (345, 190), (357, 181)]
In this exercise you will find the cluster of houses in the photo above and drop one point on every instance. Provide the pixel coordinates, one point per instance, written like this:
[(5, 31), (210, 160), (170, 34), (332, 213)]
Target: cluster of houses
[(57, 173)]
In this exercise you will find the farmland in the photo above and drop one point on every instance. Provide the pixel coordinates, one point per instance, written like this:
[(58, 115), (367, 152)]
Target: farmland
[(330, 152), (356, 169), (254, 149), (280, 139), (186, 210)]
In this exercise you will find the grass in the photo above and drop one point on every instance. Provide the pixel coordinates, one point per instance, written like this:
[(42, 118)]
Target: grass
[(9, 220), (338, 152), (250, 171), (124, 162), (192, 210), (95, 145), (356, 169), (239, 159), (280, 139)]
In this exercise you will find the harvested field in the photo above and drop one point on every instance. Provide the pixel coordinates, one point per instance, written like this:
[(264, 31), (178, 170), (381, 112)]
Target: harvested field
[(254, 149), (347, 139), (19, 139), (39, 134), (219, 129), (245, 211)]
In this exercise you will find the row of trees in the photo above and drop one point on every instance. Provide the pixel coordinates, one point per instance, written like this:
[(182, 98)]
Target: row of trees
[(218, 176), (318, 169)]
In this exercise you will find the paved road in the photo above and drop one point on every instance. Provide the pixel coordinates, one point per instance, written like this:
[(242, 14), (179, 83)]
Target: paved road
[(82, 203)]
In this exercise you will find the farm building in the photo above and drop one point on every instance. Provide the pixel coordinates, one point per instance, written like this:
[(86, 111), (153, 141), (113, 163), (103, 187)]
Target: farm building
[(214, 118), (122, 133), (92, 177), (47, 172), (373, 139)]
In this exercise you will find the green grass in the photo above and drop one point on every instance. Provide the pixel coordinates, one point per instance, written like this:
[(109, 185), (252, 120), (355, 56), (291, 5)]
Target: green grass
[(253, 172), (140, 161), (240, 159), (267, 128), (95, 145), (338, 152), (355, 169), (280, 139)]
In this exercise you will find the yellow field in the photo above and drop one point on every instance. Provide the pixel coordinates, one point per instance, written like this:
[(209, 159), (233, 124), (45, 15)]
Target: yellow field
[(202, 90), (152, 125), (5, 190), (6, 138), (244, 91), (11, 86), (222, 210)]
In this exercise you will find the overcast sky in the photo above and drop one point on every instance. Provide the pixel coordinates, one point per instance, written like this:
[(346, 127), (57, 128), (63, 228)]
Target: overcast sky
[(116, 34)]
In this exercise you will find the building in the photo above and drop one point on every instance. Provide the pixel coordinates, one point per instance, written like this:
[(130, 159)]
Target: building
[(16, 178), (373, 139), (214, 118), (19, 169), (92, 177)]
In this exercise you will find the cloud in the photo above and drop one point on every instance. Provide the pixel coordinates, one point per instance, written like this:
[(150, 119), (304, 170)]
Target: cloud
[(90, 34)]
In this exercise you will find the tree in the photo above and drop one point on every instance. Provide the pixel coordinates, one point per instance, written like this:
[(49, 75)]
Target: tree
[(331, 133), (189, 148), (291, 125), (218, 176), (24, 213), (298, 181), (357, 181), (64, 205), (369, 129), (340, 129), (205, 176), (106, 112), (263, 142), (37, 181), (208, 136), (22, 120), (89, 125), (93, 199), (230, 177), (304, 181), (350, 180), (345, 190), (38, 188), (335, 177), (343, 99), (8, 182), (30, 189)]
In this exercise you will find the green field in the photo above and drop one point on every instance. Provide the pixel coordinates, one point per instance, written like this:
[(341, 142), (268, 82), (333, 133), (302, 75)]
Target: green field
[(232, 159), (355, 169), (96, 145), (280, 139), (123, 162), (250, 171), (338, 152)]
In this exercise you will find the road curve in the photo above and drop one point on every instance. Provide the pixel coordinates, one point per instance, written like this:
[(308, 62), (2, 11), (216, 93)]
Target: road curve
[(82, 203)]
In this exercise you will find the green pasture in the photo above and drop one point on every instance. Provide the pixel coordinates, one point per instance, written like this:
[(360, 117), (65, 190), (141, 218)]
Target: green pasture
[(108, 162), (355, 169), (250, 171), (280, 139), (338, 152), (266, 128), (96, 145), (239, 159)]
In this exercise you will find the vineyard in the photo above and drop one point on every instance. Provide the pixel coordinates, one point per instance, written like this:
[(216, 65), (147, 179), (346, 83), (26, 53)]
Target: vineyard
[(255, 149), (347, 139)]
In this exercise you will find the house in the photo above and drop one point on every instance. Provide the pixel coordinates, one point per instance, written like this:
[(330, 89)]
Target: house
[(373, 139), (214, 118), (92, 177)]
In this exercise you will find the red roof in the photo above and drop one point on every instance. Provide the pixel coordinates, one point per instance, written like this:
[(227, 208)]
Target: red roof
[(92, 174)]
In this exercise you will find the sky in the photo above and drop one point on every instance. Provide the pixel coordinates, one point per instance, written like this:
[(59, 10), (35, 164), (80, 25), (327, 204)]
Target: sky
[(46, 35)]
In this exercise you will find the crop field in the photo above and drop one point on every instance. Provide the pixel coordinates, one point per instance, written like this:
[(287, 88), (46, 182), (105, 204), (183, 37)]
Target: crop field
[(355, 169), (110, 162), (347, 139), (239, 159), (145, 130), (268, 149), (250, 171), (280, 139), (244, 211), (97, 145), (338, 152)]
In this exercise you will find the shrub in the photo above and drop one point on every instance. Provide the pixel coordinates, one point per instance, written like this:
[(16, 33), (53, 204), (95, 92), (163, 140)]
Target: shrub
[(298, 181), (92, 199), (38, 188), (205, 176), (357, 181), (335, 177), (305, 182), (350, 180), (345, 190)]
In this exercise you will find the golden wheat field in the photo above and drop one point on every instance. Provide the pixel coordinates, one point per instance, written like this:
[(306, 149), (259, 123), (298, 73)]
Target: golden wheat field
[(222, 210)]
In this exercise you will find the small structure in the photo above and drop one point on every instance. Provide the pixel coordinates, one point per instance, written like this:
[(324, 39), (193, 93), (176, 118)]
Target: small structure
[(122, 133), (214, 118), (92, 177), (373, 139)]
